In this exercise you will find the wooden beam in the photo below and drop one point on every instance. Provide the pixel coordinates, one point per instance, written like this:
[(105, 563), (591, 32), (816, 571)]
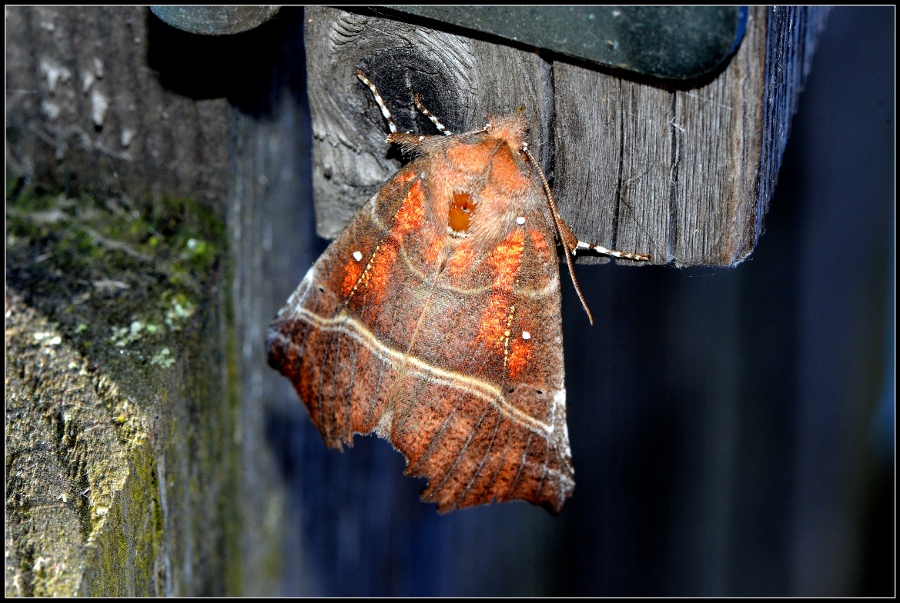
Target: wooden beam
[(683, 172)]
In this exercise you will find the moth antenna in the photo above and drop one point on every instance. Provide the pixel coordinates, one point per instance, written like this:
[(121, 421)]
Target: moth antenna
[(565, 233), (570, 241), (437, 124), (379, 100)]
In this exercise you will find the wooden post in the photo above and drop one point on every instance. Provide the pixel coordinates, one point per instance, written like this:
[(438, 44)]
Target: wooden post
[(121, 430), (683, 172)]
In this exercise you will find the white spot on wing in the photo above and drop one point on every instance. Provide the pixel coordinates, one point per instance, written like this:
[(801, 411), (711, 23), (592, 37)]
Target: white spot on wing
[(559, 398), (559, 409), (526, 335), (357, 256), (520, 220)]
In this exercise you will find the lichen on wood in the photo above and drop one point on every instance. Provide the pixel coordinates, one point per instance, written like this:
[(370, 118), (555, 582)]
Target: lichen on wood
[(114, 376)]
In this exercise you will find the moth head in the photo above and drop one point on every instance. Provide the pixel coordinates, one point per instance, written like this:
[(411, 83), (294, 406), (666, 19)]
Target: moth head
[(509, 128)]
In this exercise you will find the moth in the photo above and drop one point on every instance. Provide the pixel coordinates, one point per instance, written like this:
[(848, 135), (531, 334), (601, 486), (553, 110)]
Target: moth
[(433, 320)]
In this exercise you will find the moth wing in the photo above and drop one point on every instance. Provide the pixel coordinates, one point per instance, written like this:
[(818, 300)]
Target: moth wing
[(459, 364), (481, 413), (333, 356)]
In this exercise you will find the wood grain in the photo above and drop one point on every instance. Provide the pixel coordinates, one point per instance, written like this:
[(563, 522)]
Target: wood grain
[(683, 172), (87, 108)]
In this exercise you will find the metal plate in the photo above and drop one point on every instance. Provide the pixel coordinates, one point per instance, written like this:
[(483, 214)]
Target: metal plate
[(214, 20), (673, 42)]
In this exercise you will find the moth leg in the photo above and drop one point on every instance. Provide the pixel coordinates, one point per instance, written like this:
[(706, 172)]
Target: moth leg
[(379, 100), (641, 257), (573, 245), (437, 124)]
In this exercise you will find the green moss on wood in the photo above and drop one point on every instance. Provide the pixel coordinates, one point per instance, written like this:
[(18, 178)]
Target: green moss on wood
[(114, 381)]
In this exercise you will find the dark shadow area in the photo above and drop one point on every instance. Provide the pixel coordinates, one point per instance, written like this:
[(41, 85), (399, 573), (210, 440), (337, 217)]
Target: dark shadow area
[(236, 66)]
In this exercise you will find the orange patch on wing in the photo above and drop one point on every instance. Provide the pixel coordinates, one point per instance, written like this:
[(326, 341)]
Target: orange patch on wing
[(519, 356), (404, 176), (461, 260), (352, 272), (377, 279), (408, 219), (432, 251), (541, 247), (505, 260), (411, 214)]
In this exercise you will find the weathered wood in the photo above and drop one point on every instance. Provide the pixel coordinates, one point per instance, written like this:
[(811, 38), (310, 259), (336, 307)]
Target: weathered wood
[(459, 80), (681, 171), (86, 107), (611, 149), (121, 479)]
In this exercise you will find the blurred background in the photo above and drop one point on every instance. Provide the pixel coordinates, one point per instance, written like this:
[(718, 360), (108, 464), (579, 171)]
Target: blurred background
[(732, 430)]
